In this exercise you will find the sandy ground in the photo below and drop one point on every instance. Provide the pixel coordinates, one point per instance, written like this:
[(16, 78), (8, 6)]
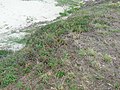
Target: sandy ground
[(17, 14)]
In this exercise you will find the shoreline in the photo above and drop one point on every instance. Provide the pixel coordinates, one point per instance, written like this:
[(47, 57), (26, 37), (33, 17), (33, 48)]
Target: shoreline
[(19, 20)]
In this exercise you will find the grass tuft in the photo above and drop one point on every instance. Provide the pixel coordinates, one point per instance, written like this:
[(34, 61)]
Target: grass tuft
[(107, 58)]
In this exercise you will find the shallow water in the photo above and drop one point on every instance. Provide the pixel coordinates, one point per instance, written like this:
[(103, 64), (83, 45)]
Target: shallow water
[(17, 14)]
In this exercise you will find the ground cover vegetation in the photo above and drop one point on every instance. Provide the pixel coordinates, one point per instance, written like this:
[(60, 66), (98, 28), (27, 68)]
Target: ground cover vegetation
[(81, 52)]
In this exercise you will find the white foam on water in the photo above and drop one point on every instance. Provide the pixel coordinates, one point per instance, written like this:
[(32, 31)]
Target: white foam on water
[(16, 14)]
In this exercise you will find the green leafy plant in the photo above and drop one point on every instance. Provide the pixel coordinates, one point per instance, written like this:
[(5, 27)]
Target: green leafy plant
[(107, 58), (19, 85), (82, 52), (91, 52), (9, 78), (4, 53), (60, 74), (117, 85)]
